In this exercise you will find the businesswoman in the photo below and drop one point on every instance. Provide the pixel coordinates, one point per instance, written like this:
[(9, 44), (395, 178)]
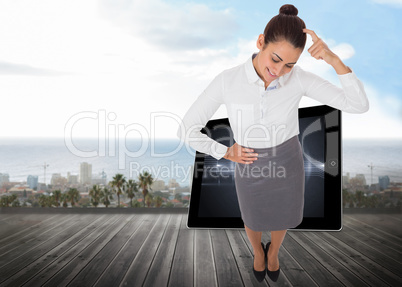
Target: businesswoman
[(262, 98)]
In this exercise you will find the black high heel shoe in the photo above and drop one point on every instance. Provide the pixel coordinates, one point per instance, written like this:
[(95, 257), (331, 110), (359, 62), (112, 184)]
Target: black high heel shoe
[(259, 275), (273, 275)]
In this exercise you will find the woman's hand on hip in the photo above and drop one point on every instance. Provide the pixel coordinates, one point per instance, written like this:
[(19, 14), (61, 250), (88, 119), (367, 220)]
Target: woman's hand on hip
[(240, 154)]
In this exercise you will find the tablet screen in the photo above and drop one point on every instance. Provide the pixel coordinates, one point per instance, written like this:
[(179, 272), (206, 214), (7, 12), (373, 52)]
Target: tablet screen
[(214, 204)]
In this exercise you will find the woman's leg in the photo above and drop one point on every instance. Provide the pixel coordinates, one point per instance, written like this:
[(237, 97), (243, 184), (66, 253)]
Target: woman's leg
[(276, 242), (259, 257)]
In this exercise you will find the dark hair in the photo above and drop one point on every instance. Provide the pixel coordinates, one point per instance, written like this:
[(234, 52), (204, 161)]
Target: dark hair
[(286, 26)]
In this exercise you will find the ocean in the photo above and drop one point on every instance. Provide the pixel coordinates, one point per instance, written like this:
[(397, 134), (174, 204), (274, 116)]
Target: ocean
[(165, 159)]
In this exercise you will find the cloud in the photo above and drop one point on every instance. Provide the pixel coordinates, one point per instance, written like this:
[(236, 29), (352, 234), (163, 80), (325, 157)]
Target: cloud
[(7, 68), (190, 26), (393, 3), (381, 121)]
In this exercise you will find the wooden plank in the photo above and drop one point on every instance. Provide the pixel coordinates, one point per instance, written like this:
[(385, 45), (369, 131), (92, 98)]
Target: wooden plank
[(388, 277), (373, 252), (379, 221), (115, 272), (244, 258), (320, 275), (94, 269), (137, 272), (19, 223), (68, 272), (182, 273), (346, 277), (15, 223), (158, 274), (380, 246), (204, 265), (4, 217), (370, 228), (371, 236), (359, 271), (45, 274), (19, 278), (20, 257), (225, 263), (18, 245)]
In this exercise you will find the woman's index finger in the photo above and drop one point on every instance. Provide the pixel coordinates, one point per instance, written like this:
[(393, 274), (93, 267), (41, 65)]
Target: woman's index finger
[(311, 33)]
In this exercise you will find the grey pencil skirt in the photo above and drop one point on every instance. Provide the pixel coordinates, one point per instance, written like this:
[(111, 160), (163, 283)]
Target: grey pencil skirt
[(270, 190)]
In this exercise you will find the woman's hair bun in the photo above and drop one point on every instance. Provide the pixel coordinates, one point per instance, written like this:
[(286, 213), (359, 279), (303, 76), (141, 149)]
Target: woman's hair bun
[(288, 9)]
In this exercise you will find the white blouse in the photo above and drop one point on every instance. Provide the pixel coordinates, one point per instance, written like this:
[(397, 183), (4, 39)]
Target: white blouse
[(259, 117)]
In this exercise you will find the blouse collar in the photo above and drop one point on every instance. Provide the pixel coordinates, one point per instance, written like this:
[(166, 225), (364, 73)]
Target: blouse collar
[(253, 77)]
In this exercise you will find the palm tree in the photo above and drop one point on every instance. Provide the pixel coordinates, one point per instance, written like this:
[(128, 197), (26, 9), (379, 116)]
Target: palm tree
[(158, 201), (73, 196), (57, 197), (149, 199), (131, 189), (43, 200), (146, 181), (360, 198), (106, 196), (372, 201), (118, 184), (95, 194), (64, 199)]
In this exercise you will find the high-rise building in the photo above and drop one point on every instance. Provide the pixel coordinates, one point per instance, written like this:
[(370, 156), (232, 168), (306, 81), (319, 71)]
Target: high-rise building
[(72, 178), (85, 173), (32, 181), (383, 181), (361, 178), (4, 177), (158, 185)]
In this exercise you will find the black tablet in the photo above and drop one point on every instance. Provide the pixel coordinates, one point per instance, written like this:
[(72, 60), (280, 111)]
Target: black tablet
[(213, 202)]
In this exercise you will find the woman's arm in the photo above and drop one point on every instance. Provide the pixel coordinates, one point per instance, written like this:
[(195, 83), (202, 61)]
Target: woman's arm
[(320, 51), (350, 98), (198, 115)]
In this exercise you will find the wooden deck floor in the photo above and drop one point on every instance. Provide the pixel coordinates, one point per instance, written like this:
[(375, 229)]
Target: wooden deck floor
[(145, 249)]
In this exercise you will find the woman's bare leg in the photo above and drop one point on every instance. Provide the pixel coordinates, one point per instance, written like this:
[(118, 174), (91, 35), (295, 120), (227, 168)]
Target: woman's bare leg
[(259, 257), (276, 242)]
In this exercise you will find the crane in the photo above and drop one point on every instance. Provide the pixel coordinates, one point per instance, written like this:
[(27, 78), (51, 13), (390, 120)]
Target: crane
[(371, 166)]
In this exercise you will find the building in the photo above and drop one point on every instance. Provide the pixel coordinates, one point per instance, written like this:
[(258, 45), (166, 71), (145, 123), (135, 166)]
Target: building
[(99, 179), (361, 178), (85, 173), (4, 178), (21, 190), (32, 181), (383, 181), (158, 185), (72, 178), (173, 183)]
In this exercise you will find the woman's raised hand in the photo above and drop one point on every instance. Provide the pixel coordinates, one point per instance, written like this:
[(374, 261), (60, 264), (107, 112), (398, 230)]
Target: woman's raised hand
[(320, 51), (240, 154)]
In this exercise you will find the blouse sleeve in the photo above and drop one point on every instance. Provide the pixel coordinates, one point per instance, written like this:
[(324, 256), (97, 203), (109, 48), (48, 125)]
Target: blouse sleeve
[(197, 117), (350, 98)]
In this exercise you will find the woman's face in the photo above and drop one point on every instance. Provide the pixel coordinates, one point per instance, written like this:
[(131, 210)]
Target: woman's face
[(275, 60)]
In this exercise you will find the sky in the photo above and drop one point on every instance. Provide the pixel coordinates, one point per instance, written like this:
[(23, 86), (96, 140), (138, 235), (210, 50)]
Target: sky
[(133, 68)]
